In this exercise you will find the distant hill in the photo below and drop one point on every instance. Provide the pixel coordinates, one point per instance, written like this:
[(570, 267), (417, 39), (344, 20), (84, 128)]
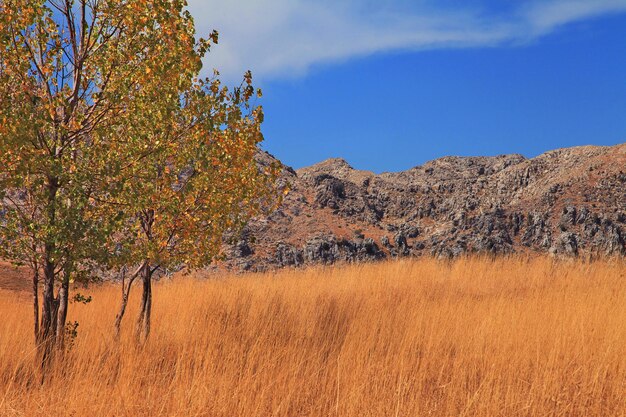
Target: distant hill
[(567, 202)]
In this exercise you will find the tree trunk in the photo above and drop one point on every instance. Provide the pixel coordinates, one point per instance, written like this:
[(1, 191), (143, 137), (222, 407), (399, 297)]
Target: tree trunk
[(142, 331), (36, 305), (47, 327), (62, 302), (48, 314), (143, 322), (120, 314), (125, 294)]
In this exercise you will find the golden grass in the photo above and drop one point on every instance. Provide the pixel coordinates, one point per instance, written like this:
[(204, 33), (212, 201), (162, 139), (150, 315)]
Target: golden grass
[(476, 337)]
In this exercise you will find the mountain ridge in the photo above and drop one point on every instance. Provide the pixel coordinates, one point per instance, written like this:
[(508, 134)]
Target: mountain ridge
[(567, 202)]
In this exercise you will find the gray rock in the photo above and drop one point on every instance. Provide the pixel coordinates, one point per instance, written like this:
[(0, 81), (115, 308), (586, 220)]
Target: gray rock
[(288, 255), (566, 244), (328, 249), (401, 244)]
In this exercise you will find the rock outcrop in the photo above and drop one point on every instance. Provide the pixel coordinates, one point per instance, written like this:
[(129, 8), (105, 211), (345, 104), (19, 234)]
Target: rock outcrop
[(568, 202)]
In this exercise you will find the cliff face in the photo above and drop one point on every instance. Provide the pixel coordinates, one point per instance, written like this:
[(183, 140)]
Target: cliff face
[(569, 202)]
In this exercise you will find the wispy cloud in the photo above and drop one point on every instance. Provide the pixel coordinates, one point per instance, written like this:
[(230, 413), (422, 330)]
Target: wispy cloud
[(544, 17), (285, 38)]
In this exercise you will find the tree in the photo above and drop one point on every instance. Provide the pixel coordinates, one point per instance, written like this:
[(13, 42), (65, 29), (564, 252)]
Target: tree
[(200, 180), (76, 78)]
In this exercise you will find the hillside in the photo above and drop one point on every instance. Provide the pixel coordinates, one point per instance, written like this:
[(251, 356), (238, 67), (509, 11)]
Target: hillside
[(567, 202)]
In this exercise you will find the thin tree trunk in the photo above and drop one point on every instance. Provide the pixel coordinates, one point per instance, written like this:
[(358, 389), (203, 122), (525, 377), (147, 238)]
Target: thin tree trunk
[(47, 300), (147, 287), (48, 314), (125, 294), (55, 320), (62, 301), (142, 330), (120, 314), (36, 305), (49, 307)]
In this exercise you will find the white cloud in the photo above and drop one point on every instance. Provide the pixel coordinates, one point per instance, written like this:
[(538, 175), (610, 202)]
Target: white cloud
[(285, 38), (548, 15)]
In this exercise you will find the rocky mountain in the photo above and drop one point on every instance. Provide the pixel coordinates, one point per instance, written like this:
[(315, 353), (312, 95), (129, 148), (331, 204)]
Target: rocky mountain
[(567, 202)]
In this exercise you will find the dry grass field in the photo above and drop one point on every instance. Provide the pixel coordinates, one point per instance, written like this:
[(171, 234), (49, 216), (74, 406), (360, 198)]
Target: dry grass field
[(475, 337)]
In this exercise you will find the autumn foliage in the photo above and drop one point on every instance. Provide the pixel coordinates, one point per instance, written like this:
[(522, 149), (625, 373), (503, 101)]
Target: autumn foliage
[(473, 337), (114, 152)]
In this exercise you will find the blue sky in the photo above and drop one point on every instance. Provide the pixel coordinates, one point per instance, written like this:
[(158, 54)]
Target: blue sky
[(390, 84)]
